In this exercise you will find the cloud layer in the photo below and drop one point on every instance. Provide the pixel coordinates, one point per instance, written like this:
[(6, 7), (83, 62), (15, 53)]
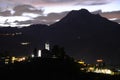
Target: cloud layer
[(11, 3), (33, 11), (94, 2)]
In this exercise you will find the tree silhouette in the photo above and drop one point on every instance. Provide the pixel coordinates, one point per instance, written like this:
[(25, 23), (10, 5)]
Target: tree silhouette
[(35, 52), (46, 53), (5, 53), (58, 51)]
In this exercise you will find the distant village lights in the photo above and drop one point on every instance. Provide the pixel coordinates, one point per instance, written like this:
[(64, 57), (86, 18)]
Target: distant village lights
[(99, 60)]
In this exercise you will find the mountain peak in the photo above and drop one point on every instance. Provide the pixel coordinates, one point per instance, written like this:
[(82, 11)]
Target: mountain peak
[(84, 11), (84, 17), (81, 11), (78, 13)]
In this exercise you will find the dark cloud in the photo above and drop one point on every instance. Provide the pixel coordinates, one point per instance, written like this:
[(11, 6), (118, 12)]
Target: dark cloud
[(97, 12), (33, 9), (93, 2), (82, 2), (114, 14), (5, 13), (118, 21), (54, 17), (101, 3), (20, 9), (49, 19), (57, 1), (42, 2), (24, 22)]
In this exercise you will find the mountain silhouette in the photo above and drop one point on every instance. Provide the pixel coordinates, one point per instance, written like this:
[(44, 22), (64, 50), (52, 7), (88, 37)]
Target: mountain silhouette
[(87, 35), (34, 35), (81, 33)]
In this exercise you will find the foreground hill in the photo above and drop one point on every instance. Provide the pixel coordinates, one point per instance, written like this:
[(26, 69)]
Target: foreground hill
[(48, 68)]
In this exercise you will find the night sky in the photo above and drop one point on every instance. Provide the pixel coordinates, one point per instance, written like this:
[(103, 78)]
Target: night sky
[(26, 12)]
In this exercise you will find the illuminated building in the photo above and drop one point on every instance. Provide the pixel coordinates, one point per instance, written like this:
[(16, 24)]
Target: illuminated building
[(47, 46), (81, 62), (90, 69), (13, 59), (39, 53), (7, 61)]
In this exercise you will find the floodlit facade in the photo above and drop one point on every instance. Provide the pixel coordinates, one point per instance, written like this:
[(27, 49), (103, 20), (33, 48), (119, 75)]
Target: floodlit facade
[(39, 53), (47, 46)]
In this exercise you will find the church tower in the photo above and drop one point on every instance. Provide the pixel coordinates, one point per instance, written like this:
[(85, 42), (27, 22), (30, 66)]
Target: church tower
[(47, 46)]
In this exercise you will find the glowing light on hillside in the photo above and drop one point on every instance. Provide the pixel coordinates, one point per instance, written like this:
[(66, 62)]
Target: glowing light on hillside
[(25, 43), (99, 60), (91, 69), (81, 62), (13, 59), (32, 55), (6, 61), (39, 53), (104, 71)]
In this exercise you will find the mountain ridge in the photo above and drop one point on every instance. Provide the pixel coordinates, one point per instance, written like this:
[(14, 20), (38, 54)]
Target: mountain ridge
[(84, 35)]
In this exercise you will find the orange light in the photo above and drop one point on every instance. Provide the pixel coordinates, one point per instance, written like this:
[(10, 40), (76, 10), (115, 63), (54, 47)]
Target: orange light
[(81, 62), (99, 60)]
